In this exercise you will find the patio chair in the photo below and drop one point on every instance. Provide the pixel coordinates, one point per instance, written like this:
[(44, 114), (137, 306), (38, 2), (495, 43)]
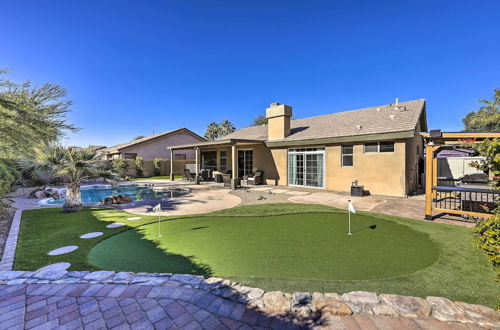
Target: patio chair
[(204, 175), (226, 178), (188, 176), (256, 178)]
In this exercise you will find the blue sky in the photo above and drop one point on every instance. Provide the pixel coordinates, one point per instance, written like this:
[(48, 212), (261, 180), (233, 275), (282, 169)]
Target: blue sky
[(134, 67)]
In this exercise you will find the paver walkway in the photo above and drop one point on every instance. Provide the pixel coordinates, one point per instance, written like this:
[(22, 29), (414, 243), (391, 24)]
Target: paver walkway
[(115, 306)]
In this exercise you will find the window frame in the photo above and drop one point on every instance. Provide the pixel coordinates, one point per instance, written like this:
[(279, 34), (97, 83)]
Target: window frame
[(378, 147), (342, 154)]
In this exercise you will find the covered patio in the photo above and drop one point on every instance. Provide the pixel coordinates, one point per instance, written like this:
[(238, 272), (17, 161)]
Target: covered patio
[(234, 159)]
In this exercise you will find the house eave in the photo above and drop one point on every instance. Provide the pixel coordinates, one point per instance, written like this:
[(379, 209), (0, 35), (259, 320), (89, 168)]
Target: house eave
[(343, 139), (228, 142)]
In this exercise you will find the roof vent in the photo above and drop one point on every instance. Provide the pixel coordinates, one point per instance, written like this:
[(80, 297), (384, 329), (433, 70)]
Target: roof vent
[(359, 127), (391, 117), (397, 101)]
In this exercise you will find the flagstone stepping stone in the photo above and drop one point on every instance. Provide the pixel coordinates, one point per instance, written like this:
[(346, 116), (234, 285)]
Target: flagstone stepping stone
[(63, 250), (134, 218), (92, 235), (115, 225), (52, 267)]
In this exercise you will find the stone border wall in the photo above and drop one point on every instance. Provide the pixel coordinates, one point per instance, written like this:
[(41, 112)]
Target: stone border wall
[(317, 306)]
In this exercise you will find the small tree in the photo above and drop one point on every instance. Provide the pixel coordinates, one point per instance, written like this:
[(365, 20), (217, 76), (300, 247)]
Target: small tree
[(487, 118), (157, 166), (71, 165), (139, 166), (120, 167), (260, 120)]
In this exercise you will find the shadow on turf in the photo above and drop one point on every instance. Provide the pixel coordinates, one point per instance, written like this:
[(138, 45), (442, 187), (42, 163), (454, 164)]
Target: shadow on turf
[(365, 228)]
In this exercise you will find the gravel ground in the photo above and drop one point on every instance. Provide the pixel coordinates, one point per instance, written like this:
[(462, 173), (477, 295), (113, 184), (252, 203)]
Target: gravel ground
[(249, 196)]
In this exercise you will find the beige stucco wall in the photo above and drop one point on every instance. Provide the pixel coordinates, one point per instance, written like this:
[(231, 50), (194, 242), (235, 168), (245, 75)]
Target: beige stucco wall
[(380, 173)]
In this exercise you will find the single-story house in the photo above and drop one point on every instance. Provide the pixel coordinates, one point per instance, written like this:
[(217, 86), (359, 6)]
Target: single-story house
[(379, 147), (156, 145)]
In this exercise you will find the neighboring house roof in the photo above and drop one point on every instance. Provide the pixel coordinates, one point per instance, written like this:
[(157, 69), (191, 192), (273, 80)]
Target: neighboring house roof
[(374, 120), (120, 147)]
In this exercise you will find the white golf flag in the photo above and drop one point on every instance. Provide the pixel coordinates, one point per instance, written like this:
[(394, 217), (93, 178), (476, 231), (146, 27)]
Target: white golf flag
[(157, 208), (351, 207)]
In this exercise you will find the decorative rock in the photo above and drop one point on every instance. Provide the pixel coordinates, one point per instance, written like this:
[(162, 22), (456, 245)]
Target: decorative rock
[(188, 279), (115, 225), (383, 309), (99, 276), (147, 280), (331, 307), (17, 281), (133, 218), (92, 235), (277, 302), (122, 277), (68, 280), (78, 274), (214, 283), (479, 313), (56, 266), (301, 299), (10, 275), (443, 309), (50, 275), (361, 297), (332, 295), (254, 293), (407, 306), (63, 250)]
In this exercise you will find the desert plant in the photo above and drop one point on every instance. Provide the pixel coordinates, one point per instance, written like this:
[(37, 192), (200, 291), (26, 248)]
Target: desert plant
[(157, 166), (139, 166), (70, 164), (119, 166), (487, 238)]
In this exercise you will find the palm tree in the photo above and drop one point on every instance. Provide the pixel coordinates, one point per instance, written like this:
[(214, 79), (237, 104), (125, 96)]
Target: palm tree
[(226, 127), (213, 131), (487, 118), (70, 164)]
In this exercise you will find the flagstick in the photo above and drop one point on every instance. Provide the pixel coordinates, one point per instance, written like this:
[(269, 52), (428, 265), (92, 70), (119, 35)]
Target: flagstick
[(349, 211)]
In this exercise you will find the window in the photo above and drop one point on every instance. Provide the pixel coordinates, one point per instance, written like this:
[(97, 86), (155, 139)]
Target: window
[(209, 160), (382, 146), (180, 157), (387, 146), (130, 155), (371, 147), (347, 155), (223, 161)]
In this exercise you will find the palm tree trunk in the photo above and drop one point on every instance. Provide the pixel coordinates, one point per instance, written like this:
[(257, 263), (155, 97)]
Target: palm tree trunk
[(73, 199)]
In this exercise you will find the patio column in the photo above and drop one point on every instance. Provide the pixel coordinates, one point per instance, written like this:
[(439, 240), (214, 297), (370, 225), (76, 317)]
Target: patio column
[(197, 176), (234, 176), (172, 164), (430, 174)]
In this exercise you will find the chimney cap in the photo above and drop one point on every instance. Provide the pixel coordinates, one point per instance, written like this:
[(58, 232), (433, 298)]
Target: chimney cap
[(275, 104)]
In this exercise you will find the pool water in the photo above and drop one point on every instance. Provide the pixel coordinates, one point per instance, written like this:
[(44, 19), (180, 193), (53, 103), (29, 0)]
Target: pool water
[(97, 194)]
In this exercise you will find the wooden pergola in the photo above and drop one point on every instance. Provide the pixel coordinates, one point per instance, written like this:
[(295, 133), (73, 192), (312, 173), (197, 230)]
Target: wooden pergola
[(436, 141)]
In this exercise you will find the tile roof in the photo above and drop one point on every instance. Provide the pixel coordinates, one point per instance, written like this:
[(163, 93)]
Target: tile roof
[(116, 148), (373, 120)]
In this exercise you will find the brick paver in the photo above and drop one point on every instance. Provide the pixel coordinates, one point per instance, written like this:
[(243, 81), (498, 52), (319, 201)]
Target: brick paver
[(93, 306)]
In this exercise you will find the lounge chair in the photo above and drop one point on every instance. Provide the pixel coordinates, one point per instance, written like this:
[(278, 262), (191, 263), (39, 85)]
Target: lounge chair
[(188, 176), (256, 178)]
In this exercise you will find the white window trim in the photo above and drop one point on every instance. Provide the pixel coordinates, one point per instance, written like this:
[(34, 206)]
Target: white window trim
[(342, 156), (378, 148), (323, 151)]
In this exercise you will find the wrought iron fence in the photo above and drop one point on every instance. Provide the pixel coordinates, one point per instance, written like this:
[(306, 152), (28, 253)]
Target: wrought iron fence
[(479, 202)]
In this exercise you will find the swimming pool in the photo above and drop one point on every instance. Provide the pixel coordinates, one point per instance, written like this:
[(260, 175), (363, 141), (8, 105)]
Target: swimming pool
[(97, 193)]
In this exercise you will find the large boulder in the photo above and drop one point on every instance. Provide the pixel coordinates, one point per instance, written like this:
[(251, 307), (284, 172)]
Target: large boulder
[(117, 199)]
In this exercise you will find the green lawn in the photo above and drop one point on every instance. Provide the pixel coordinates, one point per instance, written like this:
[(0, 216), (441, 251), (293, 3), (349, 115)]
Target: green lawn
[(163, 177), (431, 259)]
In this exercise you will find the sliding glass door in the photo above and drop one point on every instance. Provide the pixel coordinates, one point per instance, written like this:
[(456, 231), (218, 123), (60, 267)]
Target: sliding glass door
[(245, 162), (306, 167)]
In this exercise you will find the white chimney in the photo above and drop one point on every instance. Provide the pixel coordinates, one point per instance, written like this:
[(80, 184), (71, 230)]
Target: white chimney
[(397, 101)]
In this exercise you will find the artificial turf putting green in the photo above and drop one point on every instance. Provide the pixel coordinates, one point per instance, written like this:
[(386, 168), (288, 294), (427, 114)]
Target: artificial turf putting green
[(295, 246)]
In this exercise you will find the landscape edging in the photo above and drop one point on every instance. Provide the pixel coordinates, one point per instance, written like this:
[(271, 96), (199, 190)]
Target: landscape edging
[(303, 305)]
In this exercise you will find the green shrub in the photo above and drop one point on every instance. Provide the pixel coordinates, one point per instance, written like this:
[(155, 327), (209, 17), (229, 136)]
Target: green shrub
[(9, 175), (487, 237), (119, 166), (157, 166), (139, 166)]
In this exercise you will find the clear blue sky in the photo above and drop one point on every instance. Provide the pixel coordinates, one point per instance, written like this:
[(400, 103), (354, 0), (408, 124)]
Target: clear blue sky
[(134, 67)]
